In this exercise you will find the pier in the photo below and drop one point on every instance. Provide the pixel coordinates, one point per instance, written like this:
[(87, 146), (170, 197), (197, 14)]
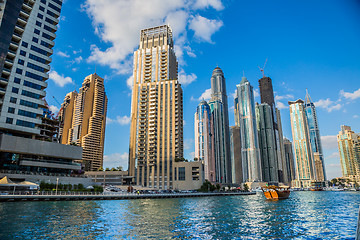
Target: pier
[(110, 196)]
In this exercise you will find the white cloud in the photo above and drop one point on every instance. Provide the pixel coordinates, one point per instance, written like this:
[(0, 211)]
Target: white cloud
[(349, 95), (60, 80), (328, 105), (54, 109), (122, 120), (204, 28), (334, 155), (329, 142), (356, 116), (185, 79), (256, 93), (216, 4), (130, 81), (76, 52), (205, 95), (281, 105), (287, 96), (184, 122), (78, 59), (118, 23), (62, 54), (116, 160)]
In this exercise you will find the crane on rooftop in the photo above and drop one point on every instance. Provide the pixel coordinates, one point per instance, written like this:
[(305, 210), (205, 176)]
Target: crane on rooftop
[(262, 69)]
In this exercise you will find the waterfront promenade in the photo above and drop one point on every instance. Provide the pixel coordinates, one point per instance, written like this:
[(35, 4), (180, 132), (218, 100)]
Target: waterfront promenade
[(76, 196)]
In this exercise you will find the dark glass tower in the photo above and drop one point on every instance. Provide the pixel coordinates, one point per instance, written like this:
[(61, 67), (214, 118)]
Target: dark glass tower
[(219, 112)]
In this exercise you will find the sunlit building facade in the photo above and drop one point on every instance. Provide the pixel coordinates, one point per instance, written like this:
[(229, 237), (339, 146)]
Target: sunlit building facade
[(315, 140), (305, 165), (349, 150), (156, 132)]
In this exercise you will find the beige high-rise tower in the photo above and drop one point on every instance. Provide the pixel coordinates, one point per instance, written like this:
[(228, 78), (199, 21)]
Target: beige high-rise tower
[(156, 133), (83, 120)]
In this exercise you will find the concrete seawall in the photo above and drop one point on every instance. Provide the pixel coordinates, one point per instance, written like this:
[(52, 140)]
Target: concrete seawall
[(86, 196)]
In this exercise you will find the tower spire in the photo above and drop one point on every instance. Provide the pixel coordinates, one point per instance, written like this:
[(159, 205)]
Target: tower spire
[(307, 97)]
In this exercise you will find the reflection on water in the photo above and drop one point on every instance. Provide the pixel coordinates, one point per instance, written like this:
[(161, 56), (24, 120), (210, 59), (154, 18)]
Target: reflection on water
[(305, 215)]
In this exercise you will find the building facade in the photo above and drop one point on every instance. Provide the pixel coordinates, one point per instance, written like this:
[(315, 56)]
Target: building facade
[(267, 96), (203, 140), (27, 37), (267, 143), (188, 175), (87, 127), (349, 150), (315, 139), (156, 132), (305, 165), (236, 157), (289, 156), (245, 118), (219, 111)]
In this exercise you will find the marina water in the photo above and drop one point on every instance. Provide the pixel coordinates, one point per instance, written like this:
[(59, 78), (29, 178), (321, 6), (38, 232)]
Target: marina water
[(305, 215)]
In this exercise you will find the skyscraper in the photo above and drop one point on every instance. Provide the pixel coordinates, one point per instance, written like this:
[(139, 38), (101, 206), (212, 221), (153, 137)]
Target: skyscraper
[(86, 126), (27, 36), (235, 151), (203, 139), (315, 139), (289, 156), (156, 133), (267, 143), (267, 96), (305, 165), (349, 150), (245, 118), (219, 110)]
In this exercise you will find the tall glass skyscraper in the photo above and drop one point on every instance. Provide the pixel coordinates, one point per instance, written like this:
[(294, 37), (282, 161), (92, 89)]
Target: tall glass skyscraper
[(315, 140), (27, 33), (245, 118), (219, 110), (156, 132), (305, 165), (203, 140)]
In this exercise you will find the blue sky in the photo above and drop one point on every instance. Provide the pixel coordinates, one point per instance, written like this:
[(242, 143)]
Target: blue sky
[(308, 44)]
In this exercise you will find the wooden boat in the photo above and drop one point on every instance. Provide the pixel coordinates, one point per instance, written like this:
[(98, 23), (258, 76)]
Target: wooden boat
[(275, 192)]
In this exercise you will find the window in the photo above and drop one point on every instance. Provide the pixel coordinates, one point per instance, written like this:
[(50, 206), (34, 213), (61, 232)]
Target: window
[(50, 21), (11, 110), (39, 50), (26, 113), (35, 39), (30, 94), (19, 71), (32, 85), (40, 16), (25, 123), (22, 53), (43, 1), (33, 76), (36, 58), (181, 173), (45, 44), (37, 31), (21, 62), (58, 2), (15, 90), (17, 80), (13, 100), (28, 104), (38, 23), (24, 44), (35, 67), (41, 8), (9, 120), (54, 7), (51, 14), (49, 28), (47, 36)]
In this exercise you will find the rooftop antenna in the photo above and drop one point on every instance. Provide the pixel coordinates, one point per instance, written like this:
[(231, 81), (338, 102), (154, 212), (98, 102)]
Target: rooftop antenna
[(262, 69)]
